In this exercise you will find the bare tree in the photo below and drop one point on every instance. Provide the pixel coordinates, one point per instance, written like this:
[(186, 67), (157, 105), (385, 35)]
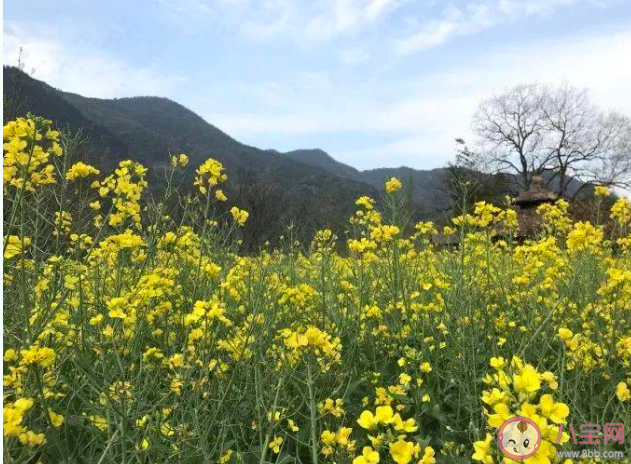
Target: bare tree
[(511, 128), (534, 128), (584, 143)]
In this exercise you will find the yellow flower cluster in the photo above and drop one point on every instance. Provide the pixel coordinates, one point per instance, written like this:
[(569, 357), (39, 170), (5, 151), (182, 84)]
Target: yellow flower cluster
[(12, 417), (63, 222), (179, 160), (621, 211), (555, 216), (338, 439), (622, 392), (81, 170), (601, 191), (35, 360), (361, 246), (239, 215), (393, 185), (384, 233), (514, 389), (15, 246), (312, 340), (209, 175), (485, 215), (585, 237), (330, 406), (387, 427), (125, 188), (27, 145), (37, 356)]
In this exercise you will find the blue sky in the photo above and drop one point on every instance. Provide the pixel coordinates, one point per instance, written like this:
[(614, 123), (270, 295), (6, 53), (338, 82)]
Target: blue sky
[(373, 82)]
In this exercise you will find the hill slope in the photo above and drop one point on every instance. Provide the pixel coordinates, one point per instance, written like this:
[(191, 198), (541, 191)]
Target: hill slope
[(147, 129), (306, 186), (321, 159), (429, 187)]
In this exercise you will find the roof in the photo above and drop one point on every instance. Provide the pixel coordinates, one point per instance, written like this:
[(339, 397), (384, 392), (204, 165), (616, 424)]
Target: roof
[(537, 194)]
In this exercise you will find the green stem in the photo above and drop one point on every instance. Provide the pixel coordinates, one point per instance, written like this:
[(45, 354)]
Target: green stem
[(313, 416)]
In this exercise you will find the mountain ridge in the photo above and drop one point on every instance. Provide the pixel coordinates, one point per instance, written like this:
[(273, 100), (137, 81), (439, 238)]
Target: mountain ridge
[(429, 187), (306, 186), (277, 189)]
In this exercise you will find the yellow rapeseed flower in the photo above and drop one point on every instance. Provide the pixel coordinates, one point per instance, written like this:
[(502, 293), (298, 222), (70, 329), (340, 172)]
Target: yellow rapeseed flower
[(393, 184)]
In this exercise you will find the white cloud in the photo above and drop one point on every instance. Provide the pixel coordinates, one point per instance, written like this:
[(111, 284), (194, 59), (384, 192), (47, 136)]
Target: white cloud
[(417, 121), (186, 9), (474, 18), (596, 62), (305, 22), (85, 72), (377, 7), (273, 18), (353, 55), (432, 35)]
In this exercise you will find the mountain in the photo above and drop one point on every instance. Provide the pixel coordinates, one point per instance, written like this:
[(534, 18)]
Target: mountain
[(306, 187), (430, 188), (147, 129), (321, 159), (22, 94)]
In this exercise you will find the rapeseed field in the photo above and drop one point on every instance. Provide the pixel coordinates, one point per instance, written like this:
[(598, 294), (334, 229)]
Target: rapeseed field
[(136, 332)]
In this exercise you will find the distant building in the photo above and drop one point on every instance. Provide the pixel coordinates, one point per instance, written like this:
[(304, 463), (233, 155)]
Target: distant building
[(527, 203), (538, 194)]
